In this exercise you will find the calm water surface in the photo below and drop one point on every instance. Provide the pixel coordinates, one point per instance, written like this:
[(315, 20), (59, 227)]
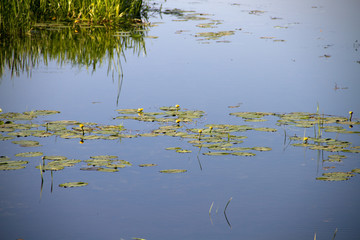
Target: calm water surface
[(286, 57)]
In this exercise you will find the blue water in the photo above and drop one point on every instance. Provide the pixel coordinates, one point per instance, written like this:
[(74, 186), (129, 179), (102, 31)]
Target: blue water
[(275, 194)]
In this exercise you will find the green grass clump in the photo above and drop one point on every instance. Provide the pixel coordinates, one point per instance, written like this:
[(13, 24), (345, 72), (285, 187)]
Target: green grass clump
[(18, 16)]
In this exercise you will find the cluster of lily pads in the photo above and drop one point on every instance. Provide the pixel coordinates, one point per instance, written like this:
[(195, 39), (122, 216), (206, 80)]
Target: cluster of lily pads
[(320, 123), (211, 139), (183, 15)]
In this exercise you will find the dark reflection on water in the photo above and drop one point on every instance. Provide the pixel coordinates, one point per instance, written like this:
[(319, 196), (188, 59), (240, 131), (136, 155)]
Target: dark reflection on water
[(80, 46), (275, 194)]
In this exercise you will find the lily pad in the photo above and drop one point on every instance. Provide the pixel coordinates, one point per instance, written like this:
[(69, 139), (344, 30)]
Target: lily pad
[(148, 165), (29, 154), (7, 129), (173, 148), (11, 165), (266, 129), (73, 184), (255, 120), (41, 112), (63, 122), (51, 167), (216, 153), (206, 25), (104, 157), (335, 176), (56, 158), (336, 158), (214, 35), (183, 151), (173, 171), (107, 170), (4, 138), (246, 154), (251, 115), (27, 143), (261, 148), (24, 133), (42, 133)]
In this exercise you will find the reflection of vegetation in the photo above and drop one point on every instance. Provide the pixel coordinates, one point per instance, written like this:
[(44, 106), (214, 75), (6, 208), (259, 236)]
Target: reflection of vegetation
[(83, 33), (79, 46), (18, 17)]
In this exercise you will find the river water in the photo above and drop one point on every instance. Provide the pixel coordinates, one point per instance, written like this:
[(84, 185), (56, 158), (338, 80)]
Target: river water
[(273, 56)]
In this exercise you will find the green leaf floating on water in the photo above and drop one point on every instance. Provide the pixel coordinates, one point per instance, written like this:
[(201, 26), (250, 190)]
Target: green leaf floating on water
[(183, 151), (4, 138), (148, 165), (104, 157), (335, 176), (73, 184), (173, 148), (251, 115), (107, 169), (261, 148), (214, 35), (173, 171), (336, 158), (57, 165), (29, 154), (7, 164), (57, 158), (216, 153), (245, 154), (41, 112), (265, 129), (27, 143), (127, 111)]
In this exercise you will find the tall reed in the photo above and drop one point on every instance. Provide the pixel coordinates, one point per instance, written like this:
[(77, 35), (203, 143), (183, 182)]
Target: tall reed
[(18, 16)]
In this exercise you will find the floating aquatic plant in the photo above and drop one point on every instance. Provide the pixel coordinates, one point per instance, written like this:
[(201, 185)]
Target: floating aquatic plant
[(335, 176), (73, 184), (29, 154), (173, 171), (218, 139), (27, 143), (7, 164), (147, 165)]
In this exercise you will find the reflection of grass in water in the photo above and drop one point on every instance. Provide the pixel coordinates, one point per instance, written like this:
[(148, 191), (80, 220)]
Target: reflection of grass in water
[(18, 17), (89, 47)]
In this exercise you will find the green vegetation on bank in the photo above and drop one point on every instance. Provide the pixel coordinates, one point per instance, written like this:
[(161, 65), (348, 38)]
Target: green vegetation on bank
[(17, 17)]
